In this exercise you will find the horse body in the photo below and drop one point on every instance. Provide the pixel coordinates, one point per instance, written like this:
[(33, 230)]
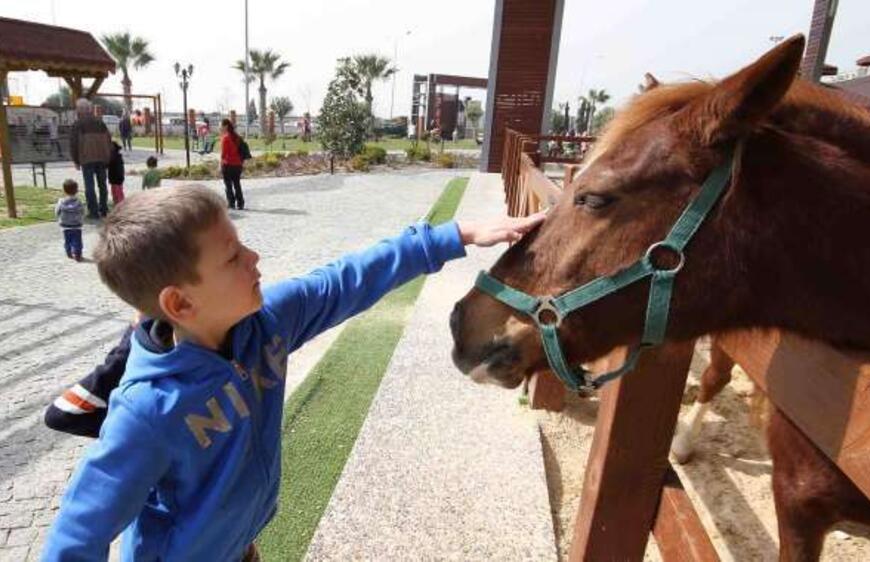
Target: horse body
[(783, 248)]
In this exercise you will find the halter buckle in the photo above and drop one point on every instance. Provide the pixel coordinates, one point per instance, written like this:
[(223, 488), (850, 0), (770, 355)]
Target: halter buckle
[(546, 305), (648, 258)]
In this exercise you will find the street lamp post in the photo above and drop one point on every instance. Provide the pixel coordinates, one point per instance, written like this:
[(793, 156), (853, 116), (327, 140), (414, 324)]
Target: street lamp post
[(395, 63), (184, 75)]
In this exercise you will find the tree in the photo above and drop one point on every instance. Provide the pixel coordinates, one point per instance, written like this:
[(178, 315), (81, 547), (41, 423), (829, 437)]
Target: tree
[(593, 99), (343, 119), (128, 52), (264, 64), (282, 106), (473, 112), (601, 119), (363, 71), (252, 112)]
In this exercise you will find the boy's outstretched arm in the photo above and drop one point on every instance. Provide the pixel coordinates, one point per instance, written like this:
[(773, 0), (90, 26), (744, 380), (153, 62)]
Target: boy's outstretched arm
[(109, 488), (308, 305)]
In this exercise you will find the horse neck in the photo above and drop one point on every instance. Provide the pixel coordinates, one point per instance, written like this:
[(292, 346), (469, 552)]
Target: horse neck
[(801, 225)]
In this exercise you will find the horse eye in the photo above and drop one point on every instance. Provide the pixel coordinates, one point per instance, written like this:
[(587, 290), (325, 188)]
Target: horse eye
[(593, 201)]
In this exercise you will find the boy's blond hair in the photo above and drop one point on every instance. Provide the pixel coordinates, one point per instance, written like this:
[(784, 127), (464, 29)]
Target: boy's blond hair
[(150, 242)]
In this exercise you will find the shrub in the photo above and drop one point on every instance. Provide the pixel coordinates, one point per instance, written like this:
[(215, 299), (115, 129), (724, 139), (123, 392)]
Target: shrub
[(271, 160), (445, 160), (375, 154), (359, 163), (301, 153), (419, 152)]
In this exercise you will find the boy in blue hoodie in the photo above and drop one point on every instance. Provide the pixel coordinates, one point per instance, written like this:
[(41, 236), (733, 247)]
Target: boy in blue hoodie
[(188, 461)]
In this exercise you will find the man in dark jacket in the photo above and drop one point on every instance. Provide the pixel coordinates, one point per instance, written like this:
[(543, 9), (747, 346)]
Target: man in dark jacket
[(90, 149)]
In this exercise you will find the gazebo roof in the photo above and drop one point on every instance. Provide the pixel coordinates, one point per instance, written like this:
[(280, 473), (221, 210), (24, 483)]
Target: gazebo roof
[(56, 50)]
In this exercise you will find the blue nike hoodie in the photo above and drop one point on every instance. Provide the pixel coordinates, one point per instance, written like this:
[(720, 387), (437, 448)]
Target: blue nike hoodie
[(189, 458)]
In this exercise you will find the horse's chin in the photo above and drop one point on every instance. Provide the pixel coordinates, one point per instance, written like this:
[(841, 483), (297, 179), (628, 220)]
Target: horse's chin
[(485, 374)]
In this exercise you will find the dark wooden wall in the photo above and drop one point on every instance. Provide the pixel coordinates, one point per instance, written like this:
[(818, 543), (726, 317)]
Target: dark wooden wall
[(522, 71)]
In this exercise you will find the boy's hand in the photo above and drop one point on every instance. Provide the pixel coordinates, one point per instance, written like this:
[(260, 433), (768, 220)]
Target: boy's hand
[(504, 229)]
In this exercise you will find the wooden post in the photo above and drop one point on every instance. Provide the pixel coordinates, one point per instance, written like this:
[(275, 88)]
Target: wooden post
[(156, 126), (629, 456), (146, 117), (546, 392), (679, 533), (6, 153), (160, 121)]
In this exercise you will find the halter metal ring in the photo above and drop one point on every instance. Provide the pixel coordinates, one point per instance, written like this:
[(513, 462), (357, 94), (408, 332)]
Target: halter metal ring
[(647, 257), (547, 305)]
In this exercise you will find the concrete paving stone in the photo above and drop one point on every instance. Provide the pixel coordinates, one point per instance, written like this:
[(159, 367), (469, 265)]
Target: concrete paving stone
[(14, 553), (19, 519), (22, 537)]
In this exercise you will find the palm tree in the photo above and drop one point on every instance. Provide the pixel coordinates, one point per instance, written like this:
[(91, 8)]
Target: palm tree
[(128, 52), (595, 97), (368, 69), (282, 106), (263, 64)]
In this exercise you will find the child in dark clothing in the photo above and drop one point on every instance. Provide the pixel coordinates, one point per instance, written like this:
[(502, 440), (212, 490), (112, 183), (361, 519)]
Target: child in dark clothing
[(81, 409), (70, 216), (116, 174)]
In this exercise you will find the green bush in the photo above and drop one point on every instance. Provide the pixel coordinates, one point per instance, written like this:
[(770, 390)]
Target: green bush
[(360, 163), (271, 160), (445, 160), (375, 154), (199, 171), (419, 152), (301, 153)]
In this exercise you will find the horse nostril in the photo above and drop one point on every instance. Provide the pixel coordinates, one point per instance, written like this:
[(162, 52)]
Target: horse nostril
[(454, 322)]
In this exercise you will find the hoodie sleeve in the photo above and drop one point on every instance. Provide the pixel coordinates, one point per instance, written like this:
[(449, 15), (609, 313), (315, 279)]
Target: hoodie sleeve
[(81, 409), (308, 305), (109, 487)]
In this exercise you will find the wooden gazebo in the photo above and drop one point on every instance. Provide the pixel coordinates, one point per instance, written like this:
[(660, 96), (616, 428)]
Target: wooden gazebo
[(59, 51)]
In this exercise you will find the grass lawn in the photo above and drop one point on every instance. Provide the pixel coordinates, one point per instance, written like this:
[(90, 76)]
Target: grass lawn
[(324, 414), (284, 145), (34, 205)]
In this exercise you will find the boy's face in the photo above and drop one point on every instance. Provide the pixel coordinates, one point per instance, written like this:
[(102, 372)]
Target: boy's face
[(229, 287)]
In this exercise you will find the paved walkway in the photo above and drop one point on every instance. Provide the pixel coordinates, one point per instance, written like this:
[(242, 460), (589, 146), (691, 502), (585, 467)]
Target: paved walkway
[(57, 320), (443, 469)]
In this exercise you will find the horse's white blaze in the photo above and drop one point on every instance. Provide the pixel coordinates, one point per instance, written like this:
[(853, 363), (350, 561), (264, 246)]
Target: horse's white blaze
[(687, 432)]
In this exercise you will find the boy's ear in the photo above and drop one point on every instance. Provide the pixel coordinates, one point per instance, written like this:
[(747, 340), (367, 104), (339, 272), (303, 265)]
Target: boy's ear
[(175, 305), (740, 102)]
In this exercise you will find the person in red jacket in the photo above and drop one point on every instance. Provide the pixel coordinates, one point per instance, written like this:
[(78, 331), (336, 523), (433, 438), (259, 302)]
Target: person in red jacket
[(231, 165)]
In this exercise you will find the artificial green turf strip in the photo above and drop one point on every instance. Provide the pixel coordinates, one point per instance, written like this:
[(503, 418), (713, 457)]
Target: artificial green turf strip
[(325, 413)]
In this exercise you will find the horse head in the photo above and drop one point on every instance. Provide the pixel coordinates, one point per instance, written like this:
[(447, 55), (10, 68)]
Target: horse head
[(750, 259)]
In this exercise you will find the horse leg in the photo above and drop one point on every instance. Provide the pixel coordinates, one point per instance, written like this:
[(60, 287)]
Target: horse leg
[(802, 480), (810, 492), (714, 379)]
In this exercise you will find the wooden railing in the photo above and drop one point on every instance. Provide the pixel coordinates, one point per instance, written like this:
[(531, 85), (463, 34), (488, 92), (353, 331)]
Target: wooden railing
[(527, 188)]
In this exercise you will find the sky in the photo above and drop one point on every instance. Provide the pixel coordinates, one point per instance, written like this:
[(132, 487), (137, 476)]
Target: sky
[(606, 44)]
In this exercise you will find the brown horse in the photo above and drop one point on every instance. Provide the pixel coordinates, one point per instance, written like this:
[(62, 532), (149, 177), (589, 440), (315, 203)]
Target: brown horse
[(782, 248)]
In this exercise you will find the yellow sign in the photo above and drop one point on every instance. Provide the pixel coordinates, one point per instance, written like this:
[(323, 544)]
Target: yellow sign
[(16, 100)]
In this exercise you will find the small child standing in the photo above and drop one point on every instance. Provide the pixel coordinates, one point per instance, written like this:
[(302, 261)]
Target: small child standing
[(152, 176), (116, 174), (70, 215)]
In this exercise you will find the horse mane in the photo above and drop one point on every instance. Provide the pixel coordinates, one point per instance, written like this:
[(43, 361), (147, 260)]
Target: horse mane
[(806, 109)]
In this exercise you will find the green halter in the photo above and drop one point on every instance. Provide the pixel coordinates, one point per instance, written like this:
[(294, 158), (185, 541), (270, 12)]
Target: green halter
[(658, 305)]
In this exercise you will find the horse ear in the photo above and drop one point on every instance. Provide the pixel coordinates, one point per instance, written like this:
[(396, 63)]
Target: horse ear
[(649, 82), (737, 104)]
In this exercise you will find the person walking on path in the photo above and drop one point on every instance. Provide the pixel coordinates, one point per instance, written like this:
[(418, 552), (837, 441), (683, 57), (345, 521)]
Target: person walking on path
[(116, 174), (69, 213), (125, 129), (231, 165), (151, 178), (91, 148)]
